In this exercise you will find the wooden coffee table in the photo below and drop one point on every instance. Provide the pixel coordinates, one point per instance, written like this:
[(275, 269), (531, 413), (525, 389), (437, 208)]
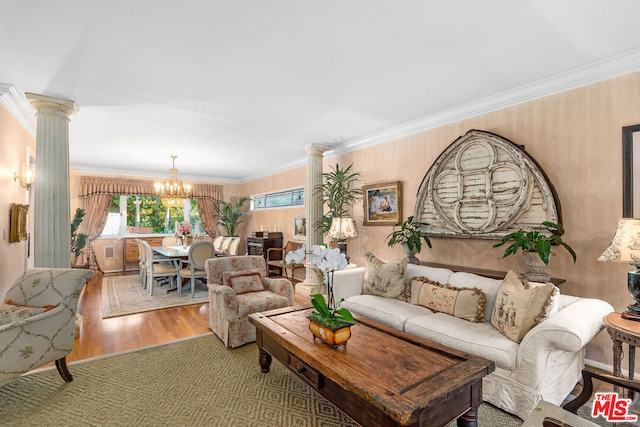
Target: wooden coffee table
[(382, 377)]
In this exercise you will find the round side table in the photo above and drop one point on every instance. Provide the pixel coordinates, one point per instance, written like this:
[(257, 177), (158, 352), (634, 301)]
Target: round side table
[(622, 331)]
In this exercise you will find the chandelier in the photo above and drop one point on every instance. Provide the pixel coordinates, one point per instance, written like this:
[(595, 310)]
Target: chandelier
[(173, 192)]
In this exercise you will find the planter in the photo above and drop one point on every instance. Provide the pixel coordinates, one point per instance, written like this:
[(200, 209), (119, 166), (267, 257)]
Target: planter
[(410, 254), (536, 271), (333, 337)]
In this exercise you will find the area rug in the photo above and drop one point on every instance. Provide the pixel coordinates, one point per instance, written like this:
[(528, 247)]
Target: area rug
[(123, 295), (193, 382)]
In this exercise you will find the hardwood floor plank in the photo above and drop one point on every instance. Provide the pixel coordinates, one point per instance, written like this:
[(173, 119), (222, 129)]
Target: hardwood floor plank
[(100, 336)]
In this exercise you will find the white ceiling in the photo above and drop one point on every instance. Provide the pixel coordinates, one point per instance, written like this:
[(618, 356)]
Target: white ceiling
[(237, 88)]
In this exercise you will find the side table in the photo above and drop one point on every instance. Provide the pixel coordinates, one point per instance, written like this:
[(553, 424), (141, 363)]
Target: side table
[(622, 331)]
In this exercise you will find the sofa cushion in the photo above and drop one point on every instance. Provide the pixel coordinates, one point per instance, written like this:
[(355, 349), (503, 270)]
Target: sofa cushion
[(520, 306), (489, 286), (432, 273), (11, 312), (243, 281), (480, 339), (386, 279), (390, 312), (464, 303)]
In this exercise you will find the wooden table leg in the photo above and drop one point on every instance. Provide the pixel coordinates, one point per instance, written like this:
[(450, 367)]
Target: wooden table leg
[(617, 358), (264, 358), (469, 418)]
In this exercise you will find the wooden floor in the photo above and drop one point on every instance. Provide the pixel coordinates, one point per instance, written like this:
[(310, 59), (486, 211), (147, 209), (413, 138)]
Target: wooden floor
[(100, 336)]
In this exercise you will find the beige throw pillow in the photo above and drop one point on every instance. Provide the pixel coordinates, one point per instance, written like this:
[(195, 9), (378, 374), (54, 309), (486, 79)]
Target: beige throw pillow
[(464, 303), (520, 306), (386, 279)]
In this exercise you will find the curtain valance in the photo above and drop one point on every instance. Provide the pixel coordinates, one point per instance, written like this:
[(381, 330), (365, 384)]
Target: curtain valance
[(94, 185)]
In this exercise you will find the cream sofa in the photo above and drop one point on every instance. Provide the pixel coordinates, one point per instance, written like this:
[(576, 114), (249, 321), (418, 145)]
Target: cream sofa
[(545, 365)]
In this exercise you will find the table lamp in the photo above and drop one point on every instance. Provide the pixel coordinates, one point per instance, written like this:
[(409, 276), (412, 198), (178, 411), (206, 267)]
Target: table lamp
[(625, 247), (342, 229)]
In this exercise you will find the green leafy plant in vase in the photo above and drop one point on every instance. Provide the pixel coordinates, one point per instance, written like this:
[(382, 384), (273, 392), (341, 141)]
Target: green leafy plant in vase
[(332, 326), (78, 240), (407, 234), (536, 245)]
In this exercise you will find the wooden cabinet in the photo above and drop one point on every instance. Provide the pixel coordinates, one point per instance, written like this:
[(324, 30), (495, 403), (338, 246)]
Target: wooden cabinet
[(131, 254), (260, 242)]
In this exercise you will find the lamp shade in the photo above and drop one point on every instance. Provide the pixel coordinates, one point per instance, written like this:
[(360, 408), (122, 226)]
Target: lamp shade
[(342, 228), (625, 246)]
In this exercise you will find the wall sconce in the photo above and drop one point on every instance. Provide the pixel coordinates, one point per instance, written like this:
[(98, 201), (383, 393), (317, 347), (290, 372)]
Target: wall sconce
[(27, 177)]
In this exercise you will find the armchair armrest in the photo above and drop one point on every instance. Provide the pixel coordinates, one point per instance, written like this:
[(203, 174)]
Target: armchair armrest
[(224, 300), (348, 282), (32, 319), (271, 250), (280, 286)]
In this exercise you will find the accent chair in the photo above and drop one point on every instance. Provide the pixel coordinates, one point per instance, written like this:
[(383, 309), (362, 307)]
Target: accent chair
[(239, 286), (37, 320)]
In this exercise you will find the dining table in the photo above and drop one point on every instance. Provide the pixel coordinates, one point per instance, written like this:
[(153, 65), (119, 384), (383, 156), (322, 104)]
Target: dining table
[(175, 254)]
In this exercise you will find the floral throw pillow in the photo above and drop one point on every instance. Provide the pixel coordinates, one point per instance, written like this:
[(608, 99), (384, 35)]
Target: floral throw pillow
[(243, 281), (11, 312), (385, 279), (521, 305), (464, 303)]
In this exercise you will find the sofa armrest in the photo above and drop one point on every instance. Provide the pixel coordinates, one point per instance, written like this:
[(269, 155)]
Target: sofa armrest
[(280, 286), (223, 300), (348, 282), (569, 330), (33, 319)]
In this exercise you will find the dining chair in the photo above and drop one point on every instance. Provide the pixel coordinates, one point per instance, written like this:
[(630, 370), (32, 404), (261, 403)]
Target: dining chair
[(142, 268), (198, 253), (171, 241), (156, 269)]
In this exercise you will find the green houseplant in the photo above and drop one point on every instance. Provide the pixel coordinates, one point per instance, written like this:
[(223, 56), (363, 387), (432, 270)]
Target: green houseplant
[(78, 240), (409, 237), (331, 326), (229, 214), (338, 193), (536, 241)]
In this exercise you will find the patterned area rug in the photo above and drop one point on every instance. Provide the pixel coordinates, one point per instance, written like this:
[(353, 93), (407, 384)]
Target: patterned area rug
[(193, 382), (123, 295)]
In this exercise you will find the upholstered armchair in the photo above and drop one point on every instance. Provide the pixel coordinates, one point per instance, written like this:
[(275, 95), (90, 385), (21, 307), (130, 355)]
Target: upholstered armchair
[(37, 320), (239, 286)]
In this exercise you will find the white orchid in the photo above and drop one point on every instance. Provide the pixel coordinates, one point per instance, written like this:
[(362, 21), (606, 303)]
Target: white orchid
[(327, 259), (296, 257)]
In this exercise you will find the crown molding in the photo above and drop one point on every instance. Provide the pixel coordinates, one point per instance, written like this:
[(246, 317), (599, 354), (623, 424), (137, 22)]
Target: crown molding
[(599, 71), (19, 107)]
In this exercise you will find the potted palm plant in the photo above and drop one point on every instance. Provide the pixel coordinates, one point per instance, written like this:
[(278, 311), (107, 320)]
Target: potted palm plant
[(331, 326), (229, 213), (536, 247), (78, 240), (409, 237), (338, 193)]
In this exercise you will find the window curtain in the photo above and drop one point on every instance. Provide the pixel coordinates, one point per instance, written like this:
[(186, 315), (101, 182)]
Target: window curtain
[(97, 192)]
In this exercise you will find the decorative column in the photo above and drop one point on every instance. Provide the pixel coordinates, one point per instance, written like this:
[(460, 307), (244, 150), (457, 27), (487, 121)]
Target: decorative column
[(51, 205), (313, 202)]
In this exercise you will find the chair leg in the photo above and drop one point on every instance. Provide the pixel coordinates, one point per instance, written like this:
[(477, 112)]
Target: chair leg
[(193, 287), (61, 365)]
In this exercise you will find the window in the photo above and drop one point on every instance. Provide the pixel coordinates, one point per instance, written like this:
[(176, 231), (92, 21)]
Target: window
[(146, 214), (279, 199)]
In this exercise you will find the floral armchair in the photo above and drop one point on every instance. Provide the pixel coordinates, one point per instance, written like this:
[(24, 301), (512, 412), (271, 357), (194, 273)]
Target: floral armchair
[(239, 286), (37, 320)]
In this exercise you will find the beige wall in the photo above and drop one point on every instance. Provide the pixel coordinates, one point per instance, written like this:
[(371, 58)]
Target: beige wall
[(14, 140), (576, 138)]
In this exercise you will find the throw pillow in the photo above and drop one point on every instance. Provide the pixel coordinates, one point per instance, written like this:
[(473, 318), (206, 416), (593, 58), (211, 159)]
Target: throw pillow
[(11, 312), (385, 279), (243, 281), (520, 306), (464, 303)]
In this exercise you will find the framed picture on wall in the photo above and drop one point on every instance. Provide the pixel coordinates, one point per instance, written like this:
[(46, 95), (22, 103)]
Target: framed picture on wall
[(18, 223), (300, 228), (630, 171), (382, 203)]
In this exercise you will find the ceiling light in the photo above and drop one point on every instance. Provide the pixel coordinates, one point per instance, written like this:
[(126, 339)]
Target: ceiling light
[(173, 192)]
